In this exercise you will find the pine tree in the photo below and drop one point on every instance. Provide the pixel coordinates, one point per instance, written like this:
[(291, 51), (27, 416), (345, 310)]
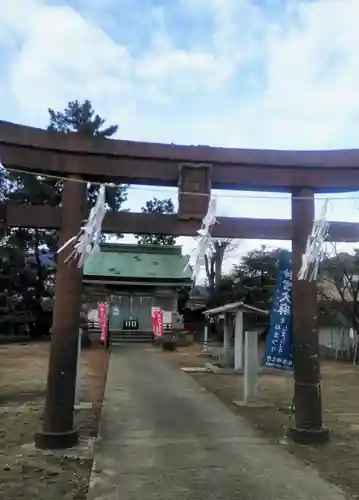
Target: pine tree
[(156, 206), (78, 118)]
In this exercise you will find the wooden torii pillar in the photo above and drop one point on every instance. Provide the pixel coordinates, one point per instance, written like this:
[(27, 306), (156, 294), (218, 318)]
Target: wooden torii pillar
[(308, 427), (58, 429)]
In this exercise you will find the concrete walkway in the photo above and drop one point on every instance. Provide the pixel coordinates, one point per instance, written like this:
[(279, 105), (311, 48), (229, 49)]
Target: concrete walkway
[(162, 437)]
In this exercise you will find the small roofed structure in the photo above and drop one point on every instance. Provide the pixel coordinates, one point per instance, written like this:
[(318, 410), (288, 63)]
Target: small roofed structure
[(233, 315), (245, 350), (233, 307)]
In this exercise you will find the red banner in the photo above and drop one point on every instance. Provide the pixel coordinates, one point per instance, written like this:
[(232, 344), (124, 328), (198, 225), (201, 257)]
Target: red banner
[(157, 322), (102, 319)]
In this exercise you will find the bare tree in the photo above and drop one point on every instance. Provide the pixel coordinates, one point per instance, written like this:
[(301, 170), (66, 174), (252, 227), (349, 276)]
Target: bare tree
[(214, 259), (338, 287)]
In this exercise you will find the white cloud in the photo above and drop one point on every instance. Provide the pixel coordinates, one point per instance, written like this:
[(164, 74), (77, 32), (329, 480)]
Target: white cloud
[(63, 56), (305, 90), (313, 71), (303, 94)]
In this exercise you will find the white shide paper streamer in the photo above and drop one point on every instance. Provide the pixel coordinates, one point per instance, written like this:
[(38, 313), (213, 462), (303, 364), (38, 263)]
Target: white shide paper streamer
[(315, 247), (87, 241), (203, 239)]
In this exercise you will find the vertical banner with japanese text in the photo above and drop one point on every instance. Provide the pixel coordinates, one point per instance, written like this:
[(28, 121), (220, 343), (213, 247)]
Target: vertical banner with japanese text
[(278, 350), (157, 322), (102, 319)]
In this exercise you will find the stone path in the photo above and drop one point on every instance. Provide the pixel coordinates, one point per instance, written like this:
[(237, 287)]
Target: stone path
[(163, 437)]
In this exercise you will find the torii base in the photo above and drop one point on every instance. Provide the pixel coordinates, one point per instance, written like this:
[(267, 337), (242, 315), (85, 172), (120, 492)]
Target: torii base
[(56, 440), (309, 436)]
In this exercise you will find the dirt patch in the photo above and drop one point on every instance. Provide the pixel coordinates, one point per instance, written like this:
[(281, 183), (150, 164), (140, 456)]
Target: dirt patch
[(338, 460), (24, 471)]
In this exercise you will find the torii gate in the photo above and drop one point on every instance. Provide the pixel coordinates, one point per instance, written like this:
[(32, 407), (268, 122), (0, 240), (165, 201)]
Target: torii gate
[(195, 170)]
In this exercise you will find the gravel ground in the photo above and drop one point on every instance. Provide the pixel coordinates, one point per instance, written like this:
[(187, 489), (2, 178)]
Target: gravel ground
[(24, 471)]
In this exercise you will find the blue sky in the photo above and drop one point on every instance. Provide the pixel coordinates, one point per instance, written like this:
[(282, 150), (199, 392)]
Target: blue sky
[(243, 73)]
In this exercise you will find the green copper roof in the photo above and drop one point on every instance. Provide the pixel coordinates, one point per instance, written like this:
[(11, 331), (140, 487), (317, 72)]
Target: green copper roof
[(139, 262)]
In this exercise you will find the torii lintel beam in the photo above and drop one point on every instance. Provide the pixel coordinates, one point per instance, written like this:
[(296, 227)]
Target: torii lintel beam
[(133, 162), (47, 217)]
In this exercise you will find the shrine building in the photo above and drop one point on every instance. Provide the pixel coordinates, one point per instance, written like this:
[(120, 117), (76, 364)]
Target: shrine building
[(132, 279)]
